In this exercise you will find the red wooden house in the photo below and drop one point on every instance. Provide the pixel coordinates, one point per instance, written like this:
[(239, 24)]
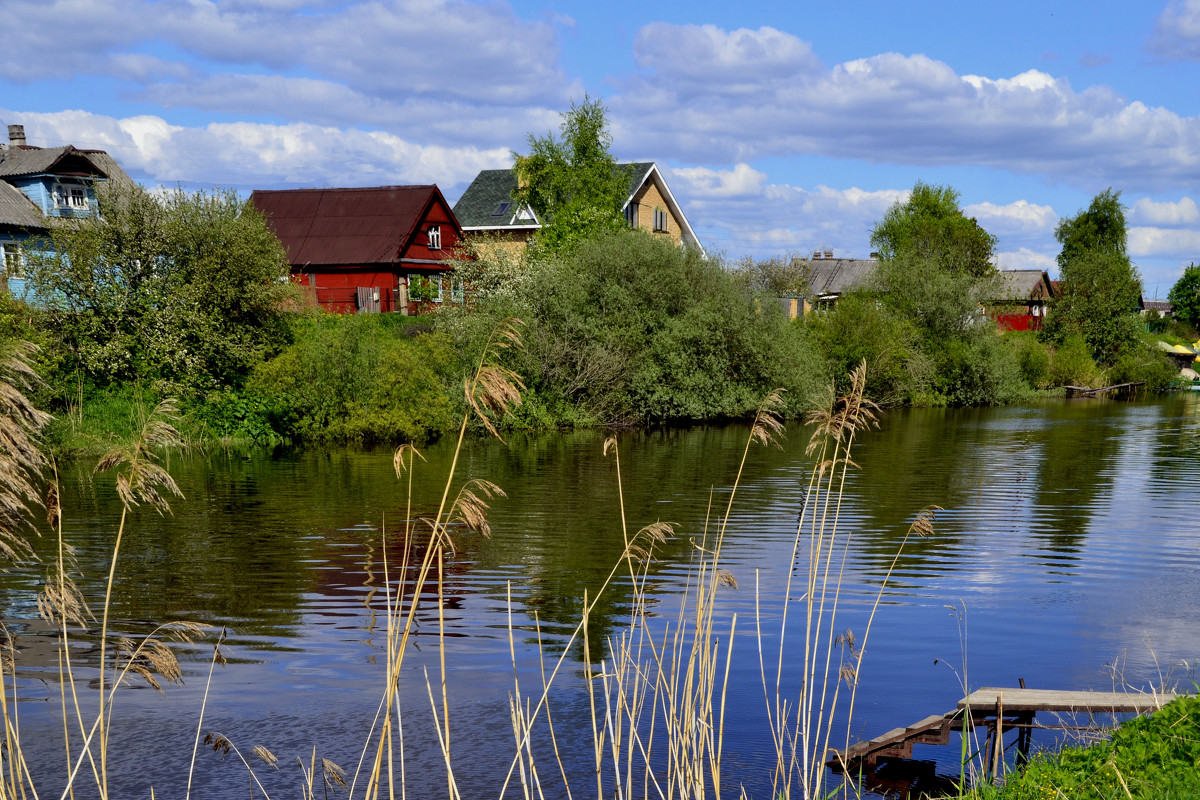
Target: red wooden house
[(375, 249)]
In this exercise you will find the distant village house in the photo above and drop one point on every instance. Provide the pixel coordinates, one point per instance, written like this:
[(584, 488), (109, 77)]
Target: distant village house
[(490, 216), (376, 249)]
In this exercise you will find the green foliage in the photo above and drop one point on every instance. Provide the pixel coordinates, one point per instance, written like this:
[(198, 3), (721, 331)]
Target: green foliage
[(1144, 364), (930, 225), (1100, 288), (778, 276), (1033, 357), (357, 378), (630, 328), (978, 370), (1072, 364), (572, 184), (861, 327), (184, 289), (1185, 297)]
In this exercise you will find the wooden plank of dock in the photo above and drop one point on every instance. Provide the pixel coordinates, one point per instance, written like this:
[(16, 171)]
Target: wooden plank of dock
[(1023, 700), (1019, 707)]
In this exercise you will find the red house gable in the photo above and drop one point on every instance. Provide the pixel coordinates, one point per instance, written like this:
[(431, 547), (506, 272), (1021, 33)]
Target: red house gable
[(355, 247)]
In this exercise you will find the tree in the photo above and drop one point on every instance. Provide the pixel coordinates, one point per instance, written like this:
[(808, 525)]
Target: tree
[(185, 288), (930, 225), (572, 184), (1100, 287), (935, 263), (779, 276), (1185, 297)]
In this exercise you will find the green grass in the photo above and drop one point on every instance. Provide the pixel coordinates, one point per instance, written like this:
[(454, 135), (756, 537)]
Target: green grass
[(1155, 757)]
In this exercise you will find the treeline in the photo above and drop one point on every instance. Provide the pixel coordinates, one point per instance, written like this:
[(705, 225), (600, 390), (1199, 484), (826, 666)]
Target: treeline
[(186, 295)]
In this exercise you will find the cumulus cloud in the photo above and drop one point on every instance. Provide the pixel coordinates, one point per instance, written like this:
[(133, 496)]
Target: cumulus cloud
[(761, 93), (738, 211), (1177, 32), (257, 155), (1164, 214), (1151, 242), (390, 49), (1024, 258), (1020, 218)]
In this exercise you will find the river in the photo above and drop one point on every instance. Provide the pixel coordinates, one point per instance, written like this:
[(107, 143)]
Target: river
[(1067, 554)]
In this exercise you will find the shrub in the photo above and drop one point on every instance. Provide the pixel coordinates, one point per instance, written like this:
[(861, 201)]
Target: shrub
[(1072, 364), (359, 377)]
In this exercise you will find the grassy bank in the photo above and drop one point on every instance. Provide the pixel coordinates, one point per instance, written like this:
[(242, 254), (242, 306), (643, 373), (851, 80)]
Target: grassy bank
[(1155, 757)]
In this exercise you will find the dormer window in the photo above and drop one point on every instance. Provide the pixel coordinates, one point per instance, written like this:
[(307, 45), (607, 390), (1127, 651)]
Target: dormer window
[(434, 235), (71, 198)]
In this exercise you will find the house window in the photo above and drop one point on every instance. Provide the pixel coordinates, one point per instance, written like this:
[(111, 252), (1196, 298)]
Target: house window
[(424, 288), (456, 290), (13, 259), (435, 237), (631, 215), (660, 221), (72, 198)]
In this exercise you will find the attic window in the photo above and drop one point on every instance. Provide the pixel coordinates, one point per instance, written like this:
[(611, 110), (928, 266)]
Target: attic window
[(631, 215), (500, 209), (435, 237), (72, 197), (660, 221)]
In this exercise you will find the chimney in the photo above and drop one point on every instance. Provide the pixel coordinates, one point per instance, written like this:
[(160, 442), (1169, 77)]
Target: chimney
[(16, 135), (829, 254), (816, 255)]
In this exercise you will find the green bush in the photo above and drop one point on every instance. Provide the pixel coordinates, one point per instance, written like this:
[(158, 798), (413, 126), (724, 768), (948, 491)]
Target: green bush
[(861, 327), (1033, 356), (1072, 364), (361, 378), (630, 328), (978, 370), (1147, 364)]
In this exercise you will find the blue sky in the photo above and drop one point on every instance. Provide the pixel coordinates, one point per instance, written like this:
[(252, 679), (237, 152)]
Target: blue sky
[(782, 127)]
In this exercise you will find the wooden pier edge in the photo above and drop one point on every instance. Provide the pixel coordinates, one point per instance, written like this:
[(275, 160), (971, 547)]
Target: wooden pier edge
[(998, 709)]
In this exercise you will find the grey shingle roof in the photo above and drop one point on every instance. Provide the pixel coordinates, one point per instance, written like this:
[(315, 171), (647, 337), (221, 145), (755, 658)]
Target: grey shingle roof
[(109, 166), (840, 275), (18, 211), (1019, 284), (483, 204), (18, 161)]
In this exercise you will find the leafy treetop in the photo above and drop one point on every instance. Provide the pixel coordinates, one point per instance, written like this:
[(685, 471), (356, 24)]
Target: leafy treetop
[(572, 183), (930, 225)]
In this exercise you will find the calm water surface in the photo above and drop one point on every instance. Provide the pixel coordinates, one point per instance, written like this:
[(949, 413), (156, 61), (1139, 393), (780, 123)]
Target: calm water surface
[(1069, 547)]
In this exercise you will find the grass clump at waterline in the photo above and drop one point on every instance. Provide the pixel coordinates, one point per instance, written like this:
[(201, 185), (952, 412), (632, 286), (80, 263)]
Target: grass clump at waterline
[(1152, 757), (657, 704)]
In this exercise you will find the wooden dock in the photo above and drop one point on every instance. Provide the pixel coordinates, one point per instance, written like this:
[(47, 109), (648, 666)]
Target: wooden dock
[(998, 710), (1087, 391)]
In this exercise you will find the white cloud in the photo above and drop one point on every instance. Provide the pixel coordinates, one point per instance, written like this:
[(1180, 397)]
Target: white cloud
[(1177, 32), (256, 155), (1024, 258), (1164, 214), (1020, 218), (389, 49), (892, 108), (1152, 242)]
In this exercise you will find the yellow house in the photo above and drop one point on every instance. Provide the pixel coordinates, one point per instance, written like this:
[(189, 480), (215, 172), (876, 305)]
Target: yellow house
[(490, 216)]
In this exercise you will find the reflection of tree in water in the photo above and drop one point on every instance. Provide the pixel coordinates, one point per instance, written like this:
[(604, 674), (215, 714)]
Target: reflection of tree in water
[(1075, 475), (559, 531)]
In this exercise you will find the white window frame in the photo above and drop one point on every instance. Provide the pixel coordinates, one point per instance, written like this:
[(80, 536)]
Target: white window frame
[(434, 236), (71, 197), (12, 260), (661, 224)]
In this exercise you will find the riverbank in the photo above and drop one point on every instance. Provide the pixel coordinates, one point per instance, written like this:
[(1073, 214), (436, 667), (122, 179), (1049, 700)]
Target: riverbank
[(1152, 757)]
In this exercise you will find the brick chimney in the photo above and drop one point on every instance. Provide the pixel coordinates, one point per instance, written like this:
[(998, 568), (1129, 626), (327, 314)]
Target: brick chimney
[(16, 135)]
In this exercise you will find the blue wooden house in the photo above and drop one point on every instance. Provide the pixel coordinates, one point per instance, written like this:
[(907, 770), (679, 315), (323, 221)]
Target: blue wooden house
[(40, 186)]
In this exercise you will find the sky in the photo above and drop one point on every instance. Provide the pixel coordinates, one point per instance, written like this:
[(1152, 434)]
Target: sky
[(782, 127)]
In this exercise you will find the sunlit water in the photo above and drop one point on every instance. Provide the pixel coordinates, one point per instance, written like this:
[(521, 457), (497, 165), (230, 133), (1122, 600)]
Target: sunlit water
[(1067, 550)]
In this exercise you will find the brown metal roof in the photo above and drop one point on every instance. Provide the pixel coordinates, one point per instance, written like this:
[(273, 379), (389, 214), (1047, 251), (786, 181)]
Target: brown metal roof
[(345, 226)]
